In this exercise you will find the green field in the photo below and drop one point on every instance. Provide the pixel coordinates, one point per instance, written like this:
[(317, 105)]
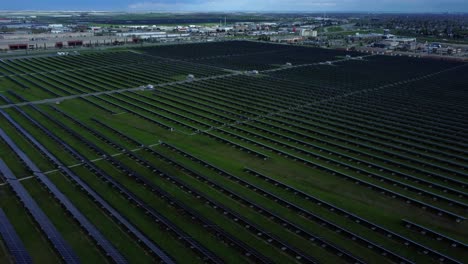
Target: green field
[(314, 162)]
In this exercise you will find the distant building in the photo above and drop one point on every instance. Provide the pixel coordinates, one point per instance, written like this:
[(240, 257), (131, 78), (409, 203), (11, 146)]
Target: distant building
[(75, 43), (18, 46), (95, 29), (386, 44), (226, 29), (5, 20), (286, 39), (308, 33), (142, 34), (404, 40), (446, 50), (55, 25), (388, 36), (435, 46), (262, 33), (370, 36)]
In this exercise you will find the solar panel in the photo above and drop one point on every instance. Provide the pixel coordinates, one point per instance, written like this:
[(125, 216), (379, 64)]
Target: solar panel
[(257, 256), (13, 242), (96, 197), (93, 232), (54, 236), (188, 240)]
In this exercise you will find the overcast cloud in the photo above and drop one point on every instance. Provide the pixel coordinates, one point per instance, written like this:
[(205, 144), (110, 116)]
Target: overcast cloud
[(241, 5), (304, 5)]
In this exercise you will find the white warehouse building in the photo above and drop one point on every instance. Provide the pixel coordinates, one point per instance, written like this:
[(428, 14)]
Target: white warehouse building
[(308, 33)]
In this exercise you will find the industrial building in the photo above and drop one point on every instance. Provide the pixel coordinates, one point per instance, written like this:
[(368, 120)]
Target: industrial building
[(308, 33)]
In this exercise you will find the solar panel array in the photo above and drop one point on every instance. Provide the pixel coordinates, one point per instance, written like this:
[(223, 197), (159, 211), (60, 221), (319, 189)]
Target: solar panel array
[(211, 226), (54, 236), (206, 254), (350, 133), (104, 205), (108, 248), (12, 241)]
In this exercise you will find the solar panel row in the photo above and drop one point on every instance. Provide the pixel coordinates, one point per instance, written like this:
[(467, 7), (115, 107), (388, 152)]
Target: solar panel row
[(108, 248), (227, 212), (96, 197), (373, 226), (177, 204), (429, 207), (209, 225), (438, 236), (54, 236), (12, 241), (206, 254), (389, 233)]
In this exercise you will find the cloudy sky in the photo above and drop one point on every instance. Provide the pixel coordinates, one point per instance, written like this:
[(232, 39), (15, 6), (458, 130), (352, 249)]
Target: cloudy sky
[(241, 5)]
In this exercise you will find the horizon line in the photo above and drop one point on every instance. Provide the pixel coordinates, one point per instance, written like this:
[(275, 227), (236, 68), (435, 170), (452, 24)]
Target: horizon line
[(241, 11)]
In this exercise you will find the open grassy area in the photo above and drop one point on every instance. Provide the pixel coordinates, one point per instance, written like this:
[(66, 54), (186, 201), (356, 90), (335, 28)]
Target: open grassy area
[(334, 29)]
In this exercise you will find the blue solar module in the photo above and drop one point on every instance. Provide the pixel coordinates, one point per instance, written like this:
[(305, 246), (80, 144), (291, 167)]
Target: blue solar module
[(54, 236), (12, 241), (213, 228), (102, 242), (157, 217), (96, 197)]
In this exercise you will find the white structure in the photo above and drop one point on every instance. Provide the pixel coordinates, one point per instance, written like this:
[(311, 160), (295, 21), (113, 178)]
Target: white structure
[(141, 34), (55, 25), (225, 28), (308, 33), (95, 29)]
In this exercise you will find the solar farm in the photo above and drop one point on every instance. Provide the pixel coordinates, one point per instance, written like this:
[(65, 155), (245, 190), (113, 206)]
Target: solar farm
[(233, 152)]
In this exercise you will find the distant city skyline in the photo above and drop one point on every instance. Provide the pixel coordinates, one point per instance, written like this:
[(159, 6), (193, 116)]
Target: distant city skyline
[(244, 5)]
